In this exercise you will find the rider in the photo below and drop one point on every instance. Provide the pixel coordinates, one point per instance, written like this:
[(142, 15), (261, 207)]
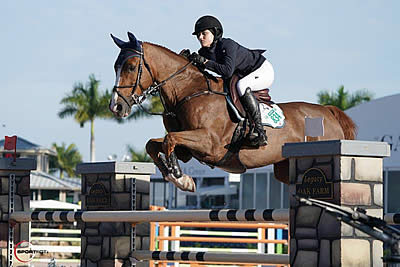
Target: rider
[(226, 57)]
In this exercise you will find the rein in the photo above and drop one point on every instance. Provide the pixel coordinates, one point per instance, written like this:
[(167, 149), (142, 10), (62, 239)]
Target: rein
[(155, 87)]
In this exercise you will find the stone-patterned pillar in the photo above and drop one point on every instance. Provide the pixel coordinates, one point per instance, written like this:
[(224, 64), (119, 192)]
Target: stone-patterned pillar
[(344, 172), (20, 171), (113, 186)]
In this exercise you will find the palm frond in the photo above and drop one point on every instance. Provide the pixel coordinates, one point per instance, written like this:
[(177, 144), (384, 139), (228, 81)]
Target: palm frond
[(138, 156), (66, 159), (343, 99), (67, 111)]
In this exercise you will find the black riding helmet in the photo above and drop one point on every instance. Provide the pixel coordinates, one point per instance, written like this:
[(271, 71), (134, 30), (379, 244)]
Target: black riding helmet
[(209, 23)]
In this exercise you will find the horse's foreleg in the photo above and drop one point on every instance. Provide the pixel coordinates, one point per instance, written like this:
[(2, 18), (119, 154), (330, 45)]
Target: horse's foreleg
[(169, 167), (153, 148), (196, 140), (173, 165)]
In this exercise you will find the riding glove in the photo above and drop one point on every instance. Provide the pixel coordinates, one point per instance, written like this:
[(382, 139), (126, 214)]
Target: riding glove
[(185, 53), (197, 60)]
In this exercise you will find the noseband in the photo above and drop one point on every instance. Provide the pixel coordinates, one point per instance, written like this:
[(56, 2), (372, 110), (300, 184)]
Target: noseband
[(151, 90)]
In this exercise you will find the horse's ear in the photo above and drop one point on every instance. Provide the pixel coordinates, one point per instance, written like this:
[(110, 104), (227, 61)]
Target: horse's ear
[(134, 41), (132, 37), (117, 41)]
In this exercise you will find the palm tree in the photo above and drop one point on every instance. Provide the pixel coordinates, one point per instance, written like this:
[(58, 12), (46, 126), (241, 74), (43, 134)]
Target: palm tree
[(66, 159), (344, 100), (138, 156), (86, 103)]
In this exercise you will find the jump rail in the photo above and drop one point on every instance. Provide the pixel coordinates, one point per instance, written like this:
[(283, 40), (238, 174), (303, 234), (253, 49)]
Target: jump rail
[(256, 215), (211, 257)]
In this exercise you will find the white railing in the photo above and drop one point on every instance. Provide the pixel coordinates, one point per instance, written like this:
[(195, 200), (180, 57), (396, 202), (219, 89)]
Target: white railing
[(60, 235)]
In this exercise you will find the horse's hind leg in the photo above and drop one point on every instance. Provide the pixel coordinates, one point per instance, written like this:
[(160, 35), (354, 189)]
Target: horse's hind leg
[(281, 171), (169, 167)]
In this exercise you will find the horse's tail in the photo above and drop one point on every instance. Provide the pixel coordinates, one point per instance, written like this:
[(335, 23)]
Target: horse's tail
[(348, 125)]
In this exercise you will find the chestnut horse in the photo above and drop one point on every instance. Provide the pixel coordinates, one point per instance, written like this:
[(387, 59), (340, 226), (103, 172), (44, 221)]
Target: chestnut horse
[(197, 118)]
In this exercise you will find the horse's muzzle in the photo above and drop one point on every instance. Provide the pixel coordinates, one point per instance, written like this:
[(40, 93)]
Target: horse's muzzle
[(121, 109)]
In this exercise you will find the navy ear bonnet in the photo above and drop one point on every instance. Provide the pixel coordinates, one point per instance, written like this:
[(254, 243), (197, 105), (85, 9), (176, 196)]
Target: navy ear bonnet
[(133, 43), (132, 48)]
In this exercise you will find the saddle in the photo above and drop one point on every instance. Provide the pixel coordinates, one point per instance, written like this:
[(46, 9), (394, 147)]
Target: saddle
[(262, 96)]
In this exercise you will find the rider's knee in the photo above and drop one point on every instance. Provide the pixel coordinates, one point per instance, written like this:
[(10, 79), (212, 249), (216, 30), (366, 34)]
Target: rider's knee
[(241, 87)]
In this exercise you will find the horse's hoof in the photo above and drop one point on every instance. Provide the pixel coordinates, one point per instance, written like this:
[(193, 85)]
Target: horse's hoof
[(184, 183)]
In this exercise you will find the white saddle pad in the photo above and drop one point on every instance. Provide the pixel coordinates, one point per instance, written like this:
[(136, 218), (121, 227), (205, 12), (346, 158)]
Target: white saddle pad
[(272, 116)]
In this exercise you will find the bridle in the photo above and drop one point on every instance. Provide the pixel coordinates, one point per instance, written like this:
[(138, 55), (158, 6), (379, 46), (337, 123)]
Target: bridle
[(155, 87), (133, 100)]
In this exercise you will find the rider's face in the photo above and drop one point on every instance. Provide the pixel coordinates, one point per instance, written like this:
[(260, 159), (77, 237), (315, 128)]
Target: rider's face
[(205, 38)]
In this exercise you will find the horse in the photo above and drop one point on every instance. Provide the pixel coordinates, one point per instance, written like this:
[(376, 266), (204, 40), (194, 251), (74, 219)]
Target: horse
[(197, 118)]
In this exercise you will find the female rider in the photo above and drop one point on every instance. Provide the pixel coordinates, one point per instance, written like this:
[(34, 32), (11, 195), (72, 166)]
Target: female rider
[(226, 57)]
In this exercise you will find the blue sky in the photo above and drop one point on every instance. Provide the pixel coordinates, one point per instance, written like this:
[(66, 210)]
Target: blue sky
[(47, 46)]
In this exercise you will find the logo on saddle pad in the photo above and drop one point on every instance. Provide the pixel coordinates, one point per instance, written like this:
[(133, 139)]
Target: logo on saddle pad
[(272, 116)]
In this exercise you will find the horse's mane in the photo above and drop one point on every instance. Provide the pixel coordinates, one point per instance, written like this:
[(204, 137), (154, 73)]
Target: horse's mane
[(205, 73), (162, 47)]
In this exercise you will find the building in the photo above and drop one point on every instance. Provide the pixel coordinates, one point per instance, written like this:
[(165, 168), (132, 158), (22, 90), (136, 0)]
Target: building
[(44, 185), (377, 120), (26, 149)]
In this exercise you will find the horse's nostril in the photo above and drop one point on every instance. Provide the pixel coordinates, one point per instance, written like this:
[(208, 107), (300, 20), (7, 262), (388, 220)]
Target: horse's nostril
[(119, 107)]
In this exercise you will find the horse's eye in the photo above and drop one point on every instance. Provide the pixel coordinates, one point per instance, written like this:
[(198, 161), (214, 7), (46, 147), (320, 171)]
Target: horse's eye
[(131, 68)]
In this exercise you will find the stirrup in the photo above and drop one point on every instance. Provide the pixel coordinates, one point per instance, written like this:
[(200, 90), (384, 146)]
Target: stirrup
[(260, 141), (256, 138)]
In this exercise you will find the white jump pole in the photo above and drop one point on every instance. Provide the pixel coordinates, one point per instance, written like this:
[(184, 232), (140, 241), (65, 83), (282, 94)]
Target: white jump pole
[(211, 257)]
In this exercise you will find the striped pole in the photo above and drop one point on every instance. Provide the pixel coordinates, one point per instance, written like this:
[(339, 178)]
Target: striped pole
[(392, 218), (211, 257), (256, 215)]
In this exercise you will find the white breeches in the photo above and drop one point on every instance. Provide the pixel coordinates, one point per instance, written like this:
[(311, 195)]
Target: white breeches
[(261, 78)]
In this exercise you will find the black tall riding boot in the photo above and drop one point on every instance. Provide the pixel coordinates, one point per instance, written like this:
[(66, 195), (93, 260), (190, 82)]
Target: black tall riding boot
[(257, 137)]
